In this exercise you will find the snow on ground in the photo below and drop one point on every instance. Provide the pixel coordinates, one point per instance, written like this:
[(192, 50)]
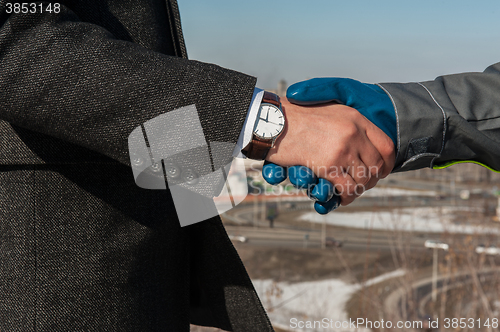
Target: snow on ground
[(312, 301), (423, 219)]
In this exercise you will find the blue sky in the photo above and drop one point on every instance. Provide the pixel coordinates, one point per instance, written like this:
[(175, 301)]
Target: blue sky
[(372, 41)]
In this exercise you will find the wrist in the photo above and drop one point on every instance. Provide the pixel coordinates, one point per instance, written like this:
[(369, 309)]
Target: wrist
[(269, 125)]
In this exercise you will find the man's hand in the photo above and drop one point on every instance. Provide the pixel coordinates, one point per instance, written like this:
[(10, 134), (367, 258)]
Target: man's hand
[(338, 144)]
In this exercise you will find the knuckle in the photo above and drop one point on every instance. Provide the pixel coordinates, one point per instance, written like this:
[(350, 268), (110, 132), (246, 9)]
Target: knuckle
[(350, 131), (387, 149)]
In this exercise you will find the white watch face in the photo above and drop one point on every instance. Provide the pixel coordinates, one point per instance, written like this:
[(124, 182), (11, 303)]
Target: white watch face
[(270, 121)]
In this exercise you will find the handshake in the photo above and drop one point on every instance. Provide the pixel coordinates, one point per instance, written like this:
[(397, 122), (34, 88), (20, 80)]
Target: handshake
[(339, 140)]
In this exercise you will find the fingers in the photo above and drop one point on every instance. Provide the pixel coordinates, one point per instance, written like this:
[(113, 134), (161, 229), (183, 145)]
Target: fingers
[(326, 199), (345, 185), (301, 177), (273, 174), (346, 188), (318, 189), (330, 205), (323, 191), (327, 195)]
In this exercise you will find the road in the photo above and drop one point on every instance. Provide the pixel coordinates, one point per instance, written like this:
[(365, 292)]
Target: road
[(310, 234)]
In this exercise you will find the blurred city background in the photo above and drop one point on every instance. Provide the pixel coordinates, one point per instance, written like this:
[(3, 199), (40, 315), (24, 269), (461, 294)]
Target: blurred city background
[(422, 245)]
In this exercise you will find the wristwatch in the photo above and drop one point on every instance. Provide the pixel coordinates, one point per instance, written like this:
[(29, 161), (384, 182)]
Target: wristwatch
[(268, 126)]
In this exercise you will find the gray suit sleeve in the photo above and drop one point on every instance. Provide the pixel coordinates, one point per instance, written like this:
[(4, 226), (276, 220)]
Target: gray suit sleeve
[(454, 118)]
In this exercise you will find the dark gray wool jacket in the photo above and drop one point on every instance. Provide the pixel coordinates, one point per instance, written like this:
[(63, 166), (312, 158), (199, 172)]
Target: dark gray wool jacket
[(82, 247)]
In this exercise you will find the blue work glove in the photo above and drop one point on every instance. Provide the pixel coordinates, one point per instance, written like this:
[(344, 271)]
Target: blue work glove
[(368, 99), (318, 189)]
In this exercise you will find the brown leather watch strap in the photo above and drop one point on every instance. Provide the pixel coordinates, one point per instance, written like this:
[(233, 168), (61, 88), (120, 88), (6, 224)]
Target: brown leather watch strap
[(257, 149), (271, 98)]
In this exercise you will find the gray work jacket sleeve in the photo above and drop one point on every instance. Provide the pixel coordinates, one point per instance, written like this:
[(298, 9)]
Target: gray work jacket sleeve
[(451, 119)]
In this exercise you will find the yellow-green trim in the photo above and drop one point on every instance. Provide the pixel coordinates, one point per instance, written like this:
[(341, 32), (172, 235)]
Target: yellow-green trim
[(463, 162)]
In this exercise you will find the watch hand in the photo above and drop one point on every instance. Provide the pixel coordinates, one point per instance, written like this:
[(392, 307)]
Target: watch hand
[(267, 116)]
